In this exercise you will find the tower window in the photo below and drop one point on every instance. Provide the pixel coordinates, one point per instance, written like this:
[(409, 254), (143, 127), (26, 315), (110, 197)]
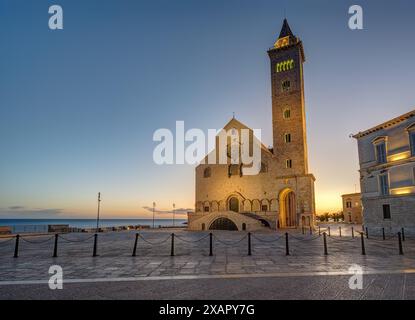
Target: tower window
[(285, 65), (288, 163), (348, 204), (287, 114), (286, 85), (287, 137)]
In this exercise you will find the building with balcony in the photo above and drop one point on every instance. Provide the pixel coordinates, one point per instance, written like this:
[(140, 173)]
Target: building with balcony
[(387, 174)]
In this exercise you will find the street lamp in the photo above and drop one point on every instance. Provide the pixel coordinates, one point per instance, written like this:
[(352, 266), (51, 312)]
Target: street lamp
[(99, 201), (174, 211), (154, 207)]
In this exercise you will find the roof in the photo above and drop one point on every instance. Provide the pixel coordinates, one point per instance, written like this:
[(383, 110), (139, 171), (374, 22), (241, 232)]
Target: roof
[(386, 124), (351, 194), (285, 30)]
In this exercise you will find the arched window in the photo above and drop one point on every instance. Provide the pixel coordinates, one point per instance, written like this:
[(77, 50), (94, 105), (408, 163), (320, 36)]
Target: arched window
[(287, 113), (207, 172), (287, 137), (286, 85), (288, 163)]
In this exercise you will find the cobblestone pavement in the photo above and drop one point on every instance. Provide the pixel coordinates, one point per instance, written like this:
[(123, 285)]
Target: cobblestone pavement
[(229, 262)]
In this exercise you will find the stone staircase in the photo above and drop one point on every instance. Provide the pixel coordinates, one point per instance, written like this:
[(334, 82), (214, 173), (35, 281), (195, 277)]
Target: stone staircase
[(263, 221)]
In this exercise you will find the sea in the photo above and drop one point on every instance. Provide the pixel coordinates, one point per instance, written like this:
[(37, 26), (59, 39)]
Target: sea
[(40, 225)]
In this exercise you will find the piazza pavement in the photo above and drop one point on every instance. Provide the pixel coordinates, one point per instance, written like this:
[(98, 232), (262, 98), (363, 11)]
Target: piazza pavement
[(268, 273)]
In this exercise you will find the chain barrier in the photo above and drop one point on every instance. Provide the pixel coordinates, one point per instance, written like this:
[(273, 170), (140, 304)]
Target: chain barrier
[(154, 243), (228, 243), (37, 242), (6, 241), (342, 239), (191, 241), (266, 240), (76, 240), (375, 238), (305, 239)]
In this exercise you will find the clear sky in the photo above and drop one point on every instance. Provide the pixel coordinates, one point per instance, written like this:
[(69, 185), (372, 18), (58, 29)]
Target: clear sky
[(78, 107)]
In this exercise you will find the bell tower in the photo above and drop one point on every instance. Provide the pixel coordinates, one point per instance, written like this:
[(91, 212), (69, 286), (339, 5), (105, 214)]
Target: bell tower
[(288, 108)]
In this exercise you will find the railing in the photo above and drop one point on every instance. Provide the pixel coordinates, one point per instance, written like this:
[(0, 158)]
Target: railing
[(289, 241)]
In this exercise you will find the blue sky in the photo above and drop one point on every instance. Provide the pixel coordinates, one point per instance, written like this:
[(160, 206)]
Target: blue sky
[(78, 107)]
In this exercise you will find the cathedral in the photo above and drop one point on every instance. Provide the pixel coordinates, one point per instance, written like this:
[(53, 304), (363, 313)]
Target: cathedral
[(281, 195)]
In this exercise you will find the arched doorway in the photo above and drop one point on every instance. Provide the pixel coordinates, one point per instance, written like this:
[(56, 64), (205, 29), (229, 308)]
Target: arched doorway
[(288, 212), (234, 204), (223, 224)]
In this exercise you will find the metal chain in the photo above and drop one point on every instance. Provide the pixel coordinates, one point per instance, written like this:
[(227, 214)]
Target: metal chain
[(342, 239), (228, 243), (305, 240), (154, 243), (266, 240), (190, 241), (76, 241), (8, 240), (37, 242)]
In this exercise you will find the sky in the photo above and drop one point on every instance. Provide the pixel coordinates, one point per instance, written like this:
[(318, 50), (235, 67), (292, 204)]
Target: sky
[(79, 106)]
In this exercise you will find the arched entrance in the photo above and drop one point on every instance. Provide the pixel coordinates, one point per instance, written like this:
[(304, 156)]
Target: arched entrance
[(288, 214), (223, 224), (234, 204)]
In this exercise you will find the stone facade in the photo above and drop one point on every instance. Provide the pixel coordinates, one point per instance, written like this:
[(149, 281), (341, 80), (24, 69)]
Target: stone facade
[(387, 174), (282, 194), (352, 208)]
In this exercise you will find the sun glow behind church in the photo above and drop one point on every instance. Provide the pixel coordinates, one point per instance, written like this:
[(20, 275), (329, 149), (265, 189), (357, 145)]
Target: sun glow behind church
[(85, 125)]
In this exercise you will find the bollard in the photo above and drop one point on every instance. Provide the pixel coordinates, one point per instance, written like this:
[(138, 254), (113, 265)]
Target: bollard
[(172, 245), (249, 244), (363, 244), (16, 247), (367, 233), (352, 232), (210, 244), (287, 248), (325, 244), (55, 248), (340, 231), (400, 243), (383, 234), (403, 234), (328, 228), (319, 231), (311, 231), (94, 254), (135, 245)]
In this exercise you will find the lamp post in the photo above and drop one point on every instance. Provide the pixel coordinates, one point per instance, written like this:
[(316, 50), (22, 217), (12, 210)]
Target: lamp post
[(154, 207), (99, 201), (174, 211)]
